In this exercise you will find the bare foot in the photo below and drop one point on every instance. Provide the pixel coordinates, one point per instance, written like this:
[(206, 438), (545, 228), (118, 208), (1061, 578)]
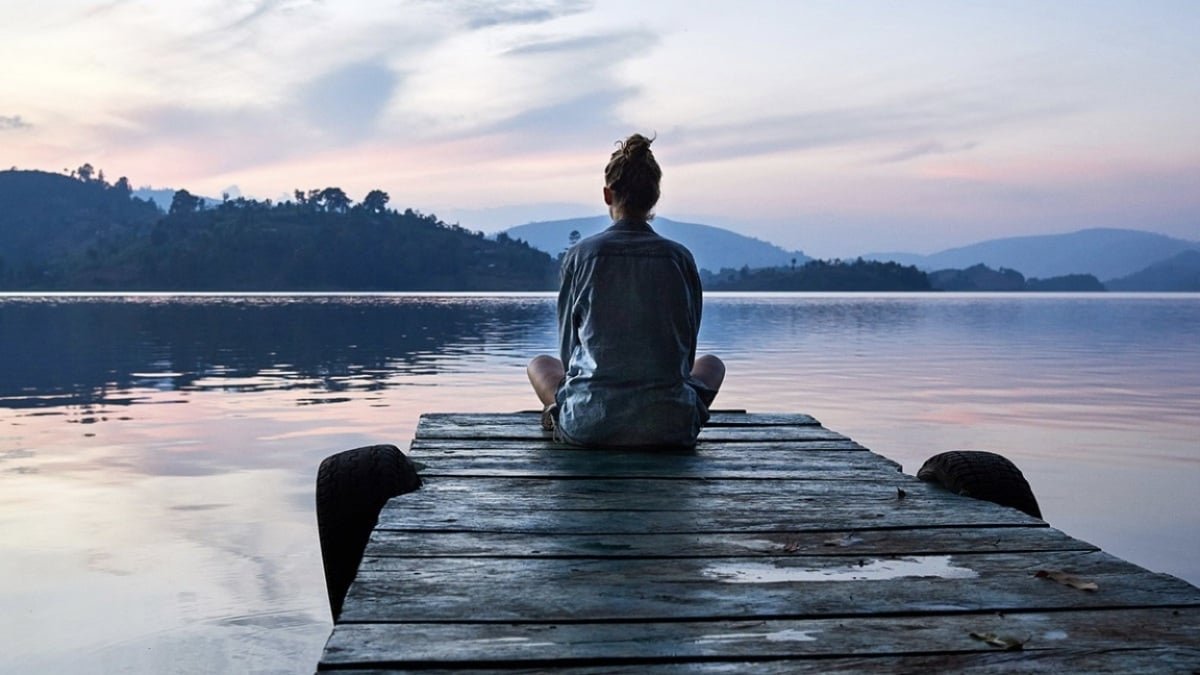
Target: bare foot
[(548, 416)]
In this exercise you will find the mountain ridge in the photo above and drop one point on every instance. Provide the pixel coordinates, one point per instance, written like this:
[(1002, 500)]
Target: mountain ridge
[(1106, 253), (1180, 272), (714, 248)]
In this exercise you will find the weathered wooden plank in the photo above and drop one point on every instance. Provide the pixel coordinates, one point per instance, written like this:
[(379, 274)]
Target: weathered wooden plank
[(554, 591), (879, 543), (416, 514), (702, 448), (1101, 660), (647, 491), (734, 470), (645, 505), (576, 455), (416, 644), (535, 432), (723, 419), (716, 419), (726, 463), (796, 571), (651, 494)]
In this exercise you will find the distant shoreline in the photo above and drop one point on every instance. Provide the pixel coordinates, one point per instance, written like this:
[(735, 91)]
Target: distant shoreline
[(552, 293)]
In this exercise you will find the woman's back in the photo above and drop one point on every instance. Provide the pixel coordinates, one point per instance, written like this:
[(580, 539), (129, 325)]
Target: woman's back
[(629, 312)]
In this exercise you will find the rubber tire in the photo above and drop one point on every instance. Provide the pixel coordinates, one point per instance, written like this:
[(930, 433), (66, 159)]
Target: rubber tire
[(981, 475), (352, 487)]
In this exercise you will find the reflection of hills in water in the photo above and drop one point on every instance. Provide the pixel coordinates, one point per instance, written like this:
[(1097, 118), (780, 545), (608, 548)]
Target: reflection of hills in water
[(85, 352), (82, 351)]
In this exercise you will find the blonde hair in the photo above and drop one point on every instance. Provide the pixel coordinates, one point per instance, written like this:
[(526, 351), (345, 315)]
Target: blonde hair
[(633, 175)]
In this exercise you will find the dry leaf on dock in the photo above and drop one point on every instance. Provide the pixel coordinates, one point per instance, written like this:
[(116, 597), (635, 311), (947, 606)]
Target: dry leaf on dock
[(1007, 642), (1067, 580)]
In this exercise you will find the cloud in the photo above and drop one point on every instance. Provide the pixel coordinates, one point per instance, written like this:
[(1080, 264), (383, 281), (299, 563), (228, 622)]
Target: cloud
[(94, 12), (348, 100), (13, 122), (333, 110), (600, 50), (241, 29), (258, 11), (581, 118), (211, 140), (247, 32), (569, 45), (568, 107), (103, 8), (477, 14), (886, 121), (926, 148), (254, 83)]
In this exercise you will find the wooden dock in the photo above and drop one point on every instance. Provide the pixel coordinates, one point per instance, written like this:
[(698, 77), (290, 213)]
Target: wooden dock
[(777, 546)]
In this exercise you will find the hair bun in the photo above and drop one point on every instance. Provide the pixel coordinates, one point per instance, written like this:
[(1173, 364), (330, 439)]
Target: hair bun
[(633, 176), (636, 146)]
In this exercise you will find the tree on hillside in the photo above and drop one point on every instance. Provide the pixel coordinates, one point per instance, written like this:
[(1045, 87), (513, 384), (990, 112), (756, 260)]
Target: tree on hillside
[(122, 187), (375, 201), (314, 199), (334, 200), (85, 172), (184, 202)]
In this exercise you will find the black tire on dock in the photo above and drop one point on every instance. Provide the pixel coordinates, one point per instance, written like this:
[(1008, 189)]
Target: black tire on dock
[(352, 487), (982, 475)]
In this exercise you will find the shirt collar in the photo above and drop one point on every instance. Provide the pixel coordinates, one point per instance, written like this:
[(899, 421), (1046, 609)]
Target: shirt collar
[(631, 225)]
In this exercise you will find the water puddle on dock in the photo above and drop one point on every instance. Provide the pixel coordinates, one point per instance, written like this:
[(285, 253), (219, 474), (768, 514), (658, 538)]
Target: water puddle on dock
[(939, 566), (788, 635), (521, 642)]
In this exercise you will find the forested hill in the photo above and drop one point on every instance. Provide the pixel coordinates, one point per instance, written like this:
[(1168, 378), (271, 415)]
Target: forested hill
[(81, 233), (46, 216), (821, 275)]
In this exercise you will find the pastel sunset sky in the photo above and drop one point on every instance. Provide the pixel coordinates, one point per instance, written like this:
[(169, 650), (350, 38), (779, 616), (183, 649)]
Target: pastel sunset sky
[(834, 127)]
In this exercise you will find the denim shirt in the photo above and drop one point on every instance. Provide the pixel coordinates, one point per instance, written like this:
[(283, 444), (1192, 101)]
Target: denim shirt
[(628, 315)]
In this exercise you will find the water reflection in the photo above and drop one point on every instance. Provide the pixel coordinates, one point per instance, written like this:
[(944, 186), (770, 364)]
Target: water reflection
[(1081, 362), (84, 351), (158, 453)]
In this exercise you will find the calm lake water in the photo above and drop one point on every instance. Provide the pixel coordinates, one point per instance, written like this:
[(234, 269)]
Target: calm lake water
[(157, 454)]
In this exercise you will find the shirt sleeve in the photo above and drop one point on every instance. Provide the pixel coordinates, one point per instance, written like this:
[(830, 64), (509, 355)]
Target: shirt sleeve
[(566, 324), (697, 306)]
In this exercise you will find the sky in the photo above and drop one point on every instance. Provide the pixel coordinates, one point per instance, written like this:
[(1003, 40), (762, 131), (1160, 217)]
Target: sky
[(837, 128)]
